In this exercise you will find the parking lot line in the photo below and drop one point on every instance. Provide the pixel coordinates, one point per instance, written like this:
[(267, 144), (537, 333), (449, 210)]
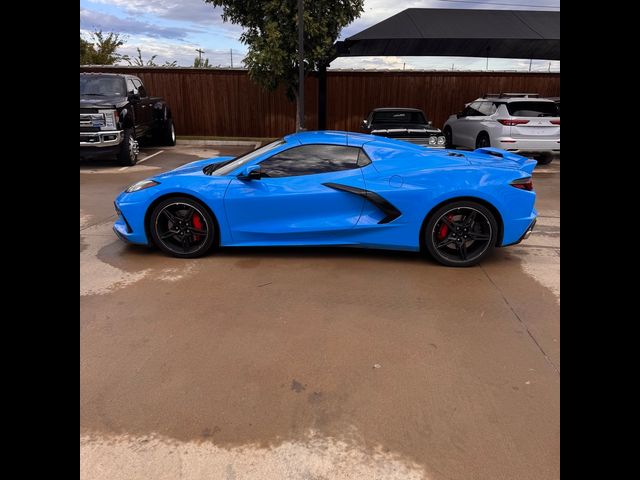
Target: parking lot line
[(143, 160)]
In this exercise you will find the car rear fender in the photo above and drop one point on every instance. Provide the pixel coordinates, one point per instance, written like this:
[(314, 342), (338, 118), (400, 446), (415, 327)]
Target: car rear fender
[(526, 164)]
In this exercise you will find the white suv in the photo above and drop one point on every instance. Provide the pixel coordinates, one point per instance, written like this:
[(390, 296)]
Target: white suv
[(517, 122)]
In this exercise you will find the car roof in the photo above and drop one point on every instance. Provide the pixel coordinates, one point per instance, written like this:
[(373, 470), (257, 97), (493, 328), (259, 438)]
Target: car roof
[(396, 109), (337, 137), (101, 74), (511, 99), (105, 74)]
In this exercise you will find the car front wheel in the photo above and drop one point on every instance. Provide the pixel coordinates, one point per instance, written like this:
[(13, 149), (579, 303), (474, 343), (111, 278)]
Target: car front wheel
[(182, 227), (128, 154), (461, 234)]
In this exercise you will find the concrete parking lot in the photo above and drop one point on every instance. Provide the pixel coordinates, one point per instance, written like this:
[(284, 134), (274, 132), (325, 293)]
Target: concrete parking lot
[(314, 363)]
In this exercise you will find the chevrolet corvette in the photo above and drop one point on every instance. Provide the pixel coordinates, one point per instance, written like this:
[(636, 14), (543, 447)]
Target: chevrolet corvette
[(341, 189)]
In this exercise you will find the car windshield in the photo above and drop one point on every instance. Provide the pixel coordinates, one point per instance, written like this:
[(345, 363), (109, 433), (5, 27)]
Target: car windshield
[(399, 117), (102, 85), (533, 109), (247, 157)]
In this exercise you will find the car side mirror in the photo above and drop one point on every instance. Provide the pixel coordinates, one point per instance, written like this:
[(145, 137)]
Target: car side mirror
[(134, 97), (364, 124), (252, 172), (459, 115)]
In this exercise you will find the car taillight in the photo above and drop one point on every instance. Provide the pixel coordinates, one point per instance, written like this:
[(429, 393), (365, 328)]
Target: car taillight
[(523, 183), (555, 122), (510, 123)]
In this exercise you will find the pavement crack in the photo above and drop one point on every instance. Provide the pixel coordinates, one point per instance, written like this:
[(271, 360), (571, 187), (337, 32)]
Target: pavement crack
[(524, 324)]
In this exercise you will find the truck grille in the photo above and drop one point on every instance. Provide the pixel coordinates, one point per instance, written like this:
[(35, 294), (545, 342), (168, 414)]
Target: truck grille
[(92, 120), (416, 140)]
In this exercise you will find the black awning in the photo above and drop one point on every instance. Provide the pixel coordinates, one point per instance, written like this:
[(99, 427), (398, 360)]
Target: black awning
[(460, 33)]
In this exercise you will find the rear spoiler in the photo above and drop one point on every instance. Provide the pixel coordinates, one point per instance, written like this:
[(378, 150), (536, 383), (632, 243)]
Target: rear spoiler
[(526, 164)]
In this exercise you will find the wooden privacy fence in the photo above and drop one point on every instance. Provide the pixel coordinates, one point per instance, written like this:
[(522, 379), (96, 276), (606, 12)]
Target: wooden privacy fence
[(227, 103)]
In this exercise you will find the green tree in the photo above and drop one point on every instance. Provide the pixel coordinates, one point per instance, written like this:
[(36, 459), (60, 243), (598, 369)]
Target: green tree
[(270, 31), (139, 62), (199, 63), (86, 51), (102, 49)]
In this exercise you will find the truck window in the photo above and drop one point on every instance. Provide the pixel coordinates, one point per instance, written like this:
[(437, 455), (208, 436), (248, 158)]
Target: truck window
[(141, 90), (131, 88)]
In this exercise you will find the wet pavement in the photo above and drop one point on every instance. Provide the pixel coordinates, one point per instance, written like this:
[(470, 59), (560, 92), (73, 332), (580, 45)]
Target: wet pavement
[(314, 363)]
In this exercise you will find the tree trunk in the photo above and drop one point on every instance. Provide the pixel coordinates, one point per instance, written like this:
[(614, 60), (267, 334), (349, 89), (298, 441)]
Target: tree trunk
[(295, 94)]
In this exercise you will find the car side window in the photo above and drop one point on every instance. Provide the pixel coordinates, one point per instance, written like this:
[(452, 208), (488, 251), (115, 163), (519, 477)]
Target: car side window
[(131, 88), (470, 111), (474, 110), (309, 160), (141, 90), (487, 108), (363, 158)]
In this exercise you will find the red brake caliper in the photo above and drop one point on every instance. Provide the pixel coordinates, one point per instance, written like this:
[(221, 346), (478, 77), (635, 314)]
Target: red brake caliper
[(444, 229), (197, 223)]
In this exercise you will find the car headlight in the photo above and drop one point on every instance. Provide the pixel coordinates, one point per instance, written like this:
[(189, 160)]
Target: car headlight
[(141, 185), (441, 140), (432, 140)]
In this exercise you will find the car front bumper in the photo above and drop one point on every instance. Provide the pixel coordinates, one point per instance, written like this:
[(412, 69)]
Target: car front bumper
[(103, 143), (129, 226), (102, 139)]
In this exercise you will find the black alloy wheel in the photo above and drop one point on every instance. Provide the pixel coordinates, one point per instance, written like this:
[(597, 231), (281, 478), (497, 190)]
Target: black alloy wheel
[(461, 234), (182, 227)]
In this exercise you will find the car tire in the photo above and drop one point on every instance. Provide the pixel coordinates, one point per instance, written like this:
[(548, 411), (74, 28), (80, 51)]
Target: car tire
[(448, 137), (172, 225), (460, 234), (483, 140), (544, 159), (128, 154), (167, 136)]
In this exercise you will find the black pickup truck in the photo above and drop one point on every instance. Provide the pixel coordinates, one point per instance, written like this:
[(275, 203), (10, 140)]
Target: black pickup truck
[(116, 112), (408, 124)]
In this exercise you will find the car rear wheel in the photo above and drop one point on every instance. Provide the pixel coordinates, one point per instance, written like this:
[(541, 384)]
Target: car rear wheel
[(461, 234), (182, 227), (544, 159), (448, 137), (167, 136), (483, 140)]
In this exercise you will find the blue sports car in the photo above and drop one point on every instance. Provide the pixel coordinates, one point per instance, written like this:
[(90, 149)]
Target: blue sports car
[(337, 188)]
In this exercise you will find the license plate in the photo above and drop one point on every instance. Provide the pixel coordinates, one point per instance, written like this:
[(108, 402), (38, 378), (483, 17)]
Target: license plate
[(537, 130)]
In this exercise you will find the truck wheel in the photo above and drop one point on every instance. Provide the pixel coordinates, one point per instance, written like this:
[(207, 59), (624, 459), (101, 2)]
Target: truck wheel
[(166, 134), (128, 154)]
